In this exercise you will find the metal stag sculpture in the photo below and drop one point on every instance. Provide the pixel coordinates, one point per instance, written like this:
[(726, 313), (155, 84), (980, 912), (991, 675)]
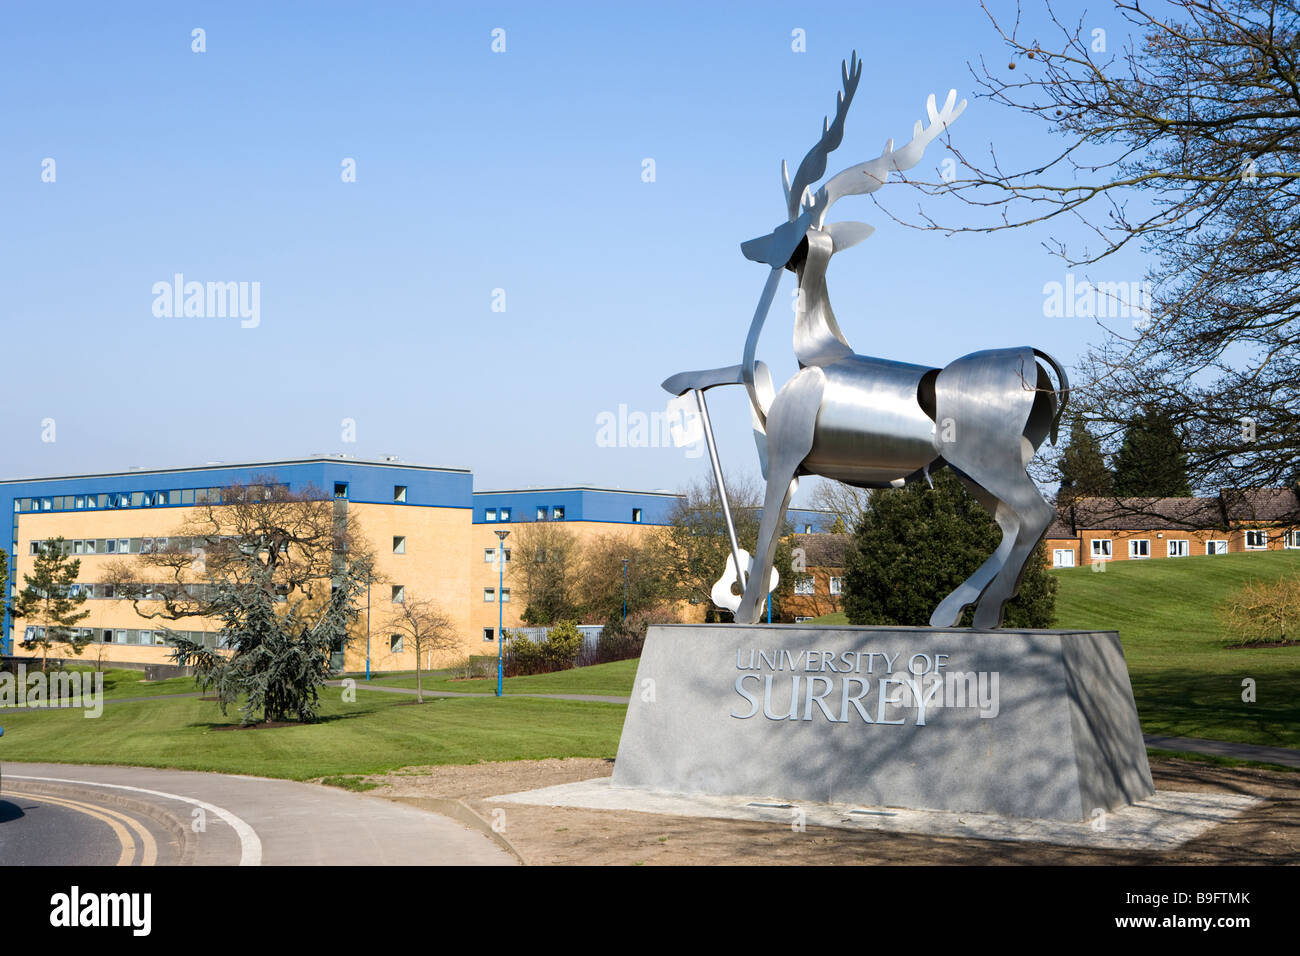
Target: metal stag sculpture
[(871, 422)]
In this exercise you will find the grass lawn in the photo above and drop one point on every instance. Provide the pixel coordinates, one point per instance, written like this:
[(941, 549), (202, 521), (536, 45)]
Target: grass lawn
[(604, 680), (124, 682), (1186, 683), (379, 732)]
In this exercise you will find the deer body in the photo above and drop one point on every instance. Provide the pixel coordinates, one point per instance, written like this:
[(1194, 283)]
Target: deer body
[(876, 423)]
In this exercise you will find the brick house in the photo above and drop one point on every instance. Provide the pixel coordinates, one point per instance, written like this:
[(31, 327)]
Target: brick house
[(1123, 529)]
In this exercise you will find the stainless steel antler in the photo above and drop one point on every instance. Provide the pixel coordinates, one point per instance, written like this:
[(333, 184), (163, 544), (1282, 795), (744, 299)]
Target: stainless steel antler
[(869, 176)]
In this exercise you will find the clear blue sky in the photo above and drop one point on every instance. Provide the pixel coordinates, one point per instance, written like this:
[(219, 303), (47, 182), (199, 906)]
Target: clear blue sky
[(475, 171)]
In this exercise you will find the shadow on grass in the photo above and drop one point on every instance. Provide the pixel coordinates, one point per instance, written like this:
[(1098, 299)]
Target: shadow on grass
[(275, 724), (1186, 703)]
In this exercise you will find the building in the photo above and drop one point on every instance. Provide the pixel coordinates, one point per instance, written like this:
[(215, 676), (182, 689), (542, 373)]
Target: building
[(434, 537), (818, 560), (1092, 530)]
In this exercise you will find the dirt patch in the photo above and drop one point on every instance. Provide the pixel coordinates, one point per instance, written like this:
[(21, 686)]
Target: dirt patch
[(1258, 644), (1268, 834)]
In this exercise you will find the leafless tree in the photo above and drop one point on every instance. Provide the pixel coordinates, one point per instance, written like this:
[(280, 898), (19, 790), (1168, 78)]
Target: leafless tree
[(847, 503), (422, 622), (1180, 139)]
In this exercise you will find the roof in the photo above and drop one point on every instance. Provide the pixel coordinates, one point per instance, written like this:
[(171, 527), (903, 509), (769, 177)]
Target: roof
[(1261, 504), (1230, 506), (822, 550), (234, 465)]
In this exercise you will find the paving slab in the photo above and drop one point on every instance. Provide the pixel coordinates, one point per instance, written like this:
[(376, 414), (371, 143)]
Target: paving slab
[(1165, 820)]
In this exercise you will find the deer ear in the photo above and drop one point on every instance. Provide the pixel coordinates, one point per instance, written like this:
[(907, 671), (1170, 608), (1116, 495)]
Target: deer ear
[(846, 235)]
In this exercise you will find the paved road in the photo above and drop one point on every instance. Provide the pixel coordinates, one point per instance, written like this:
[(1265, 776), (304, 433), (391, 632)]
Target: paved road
[(68, 814), (363, 685)]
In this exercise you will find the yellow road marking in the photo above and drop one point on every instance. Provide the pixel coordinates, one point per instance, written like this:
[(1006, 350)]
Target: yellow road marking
[(149, 847)]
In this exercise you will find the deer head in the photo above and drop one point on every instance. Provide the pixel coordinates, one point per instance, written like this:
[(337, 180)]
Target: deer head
[(806, 209)]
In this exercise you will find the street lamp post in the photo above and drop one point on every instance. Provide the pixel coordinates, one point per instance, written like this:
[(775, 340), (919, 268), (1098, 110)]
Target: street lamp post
[(501, 577), (625, 589), (367, 627)]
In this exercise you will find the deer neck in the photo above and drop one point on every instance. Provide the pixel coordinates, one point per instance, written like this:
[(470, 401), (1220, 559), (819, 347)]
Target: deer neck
[(817, 336)]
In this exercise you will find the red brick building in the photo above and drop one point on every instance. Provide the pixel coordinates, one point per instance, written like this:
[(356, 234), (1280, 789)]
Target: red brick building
[(1127, 529)]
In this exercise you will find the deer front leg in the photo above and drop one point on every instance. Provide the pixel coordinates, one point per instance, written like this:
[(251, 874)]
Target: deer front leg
[(791, 425)]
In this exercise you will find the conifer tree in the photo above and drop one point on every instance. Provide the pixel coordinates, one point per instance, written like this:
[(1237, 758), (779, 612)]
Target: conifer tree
[(48, 604), (1083, 468), (1151, 463), (915, 546)]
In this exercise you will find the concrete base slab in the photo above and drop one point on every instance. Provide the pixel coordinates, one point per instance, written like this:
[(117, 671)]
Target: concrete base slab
[(1163, 821)]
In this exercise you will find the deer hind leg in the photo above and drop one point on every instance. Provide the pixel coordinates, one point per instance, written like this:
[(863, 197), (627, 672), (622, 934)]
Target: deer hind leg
[(1035, 515), (949, 611), (791, 424), (989, 423)]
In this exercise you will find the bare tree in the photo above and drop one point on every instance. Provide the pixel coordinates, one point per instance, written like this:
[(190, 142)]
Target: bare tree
[(429, 630), (545, 561), (1181, 139), (691, 551), (846, 502)]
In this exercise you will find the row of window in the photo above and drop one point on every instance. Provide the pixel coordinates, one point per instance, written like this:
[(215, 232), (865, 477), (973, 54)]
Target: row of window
[(806, 584), (120, 499), (129, 635), (544, 513), (1256, 540), (114, 545), (490, 595)]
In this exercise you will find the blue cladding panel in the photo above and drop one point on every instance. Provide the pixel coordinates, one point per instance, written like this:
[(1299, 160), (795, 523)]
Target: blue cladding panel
[(579, 504)]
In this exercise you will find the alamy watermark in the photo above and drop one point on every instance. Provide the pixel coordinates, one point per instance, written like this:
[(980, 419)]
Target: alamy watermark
[(208, 300), (84, 689), (1075, 299)]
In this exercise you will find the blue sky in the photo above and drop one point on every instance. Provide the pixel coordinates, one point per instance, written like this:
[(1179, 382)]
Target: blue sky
[(475, 171)]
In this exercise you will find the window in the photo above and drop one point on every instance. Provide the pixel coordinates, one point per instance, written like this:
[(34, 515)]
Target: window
[(558, 512), (1139, 548), (541, 514), (505, 514), (1256, 540), (1063, 558), (110, 546), (341, 490), (1292, 540), (489, 633), (1179, 548), (800, 620), (399, 544), (489, 555), (505, 595), (124, 546), (489, 595), (106, 636), (399, 594), (35, 548), (1101, 548), (399, 494), (395, 643), (91, 545), (804, 584), (137, 501), (837, 585), (490, 514), (807, 529), (636, 515), (1216, 547)]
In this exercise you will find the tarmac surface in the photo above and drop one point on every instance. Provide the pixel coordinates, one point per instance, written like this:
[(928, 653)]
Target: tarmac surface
[(64, 814)]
